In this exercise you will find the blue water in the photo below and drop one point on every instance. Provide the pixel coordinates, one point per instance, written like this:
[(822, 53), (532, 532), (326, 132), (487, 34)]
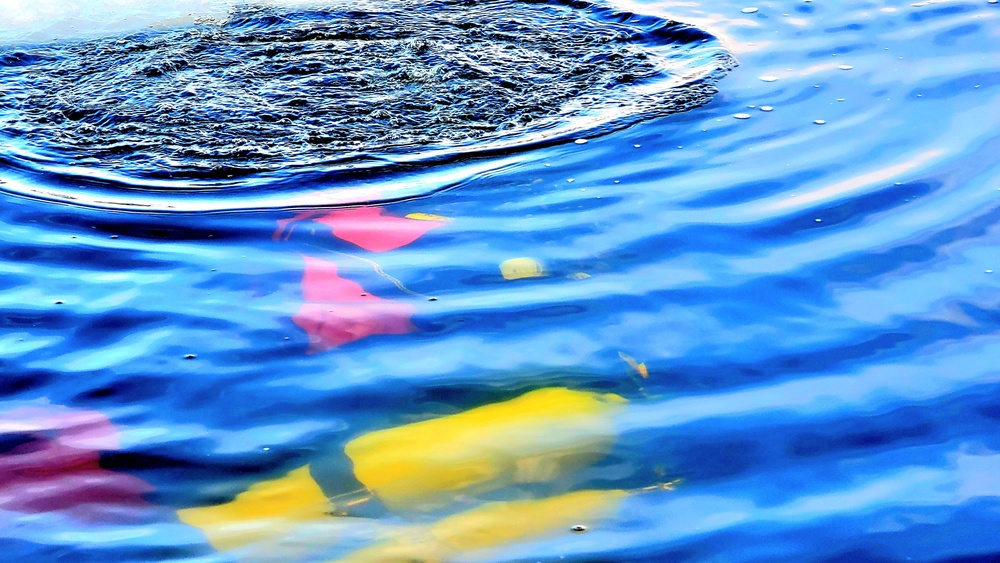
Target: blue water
[(816, 305)]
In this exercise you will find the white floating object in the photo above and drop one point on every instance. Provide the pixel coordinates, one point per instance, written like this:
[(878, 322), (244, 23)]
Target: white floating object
[(768, 78), (581, 141), (749, 10), (742, 116), (846, 67), (820, 122), (766, 108)]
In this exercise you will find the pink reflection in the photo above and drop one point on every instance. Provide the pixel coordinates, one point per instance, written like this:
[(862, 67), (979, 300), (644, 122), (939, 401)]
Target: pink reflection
[(54, 465), (365, 227), (339, 311)]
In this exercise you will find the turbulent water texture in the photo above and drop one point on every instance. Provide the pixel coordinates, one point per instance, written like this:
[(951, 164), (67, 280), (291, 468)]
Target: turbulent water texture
[(765, 329), (270, 88)]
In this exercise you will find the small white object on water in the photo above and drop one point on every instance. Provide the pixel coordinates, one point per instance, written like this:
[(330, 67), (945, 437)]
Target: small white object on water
[(846, 67), (819, 220), (742, 116), (749, 10), (840, 99), (581, 141), (766, 108), (820, 122), (637, 145), (768, 78)]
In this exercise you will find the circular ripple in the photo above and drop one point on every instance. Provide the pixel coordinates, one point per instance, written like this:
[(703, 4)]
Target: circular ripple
[(270, 90)]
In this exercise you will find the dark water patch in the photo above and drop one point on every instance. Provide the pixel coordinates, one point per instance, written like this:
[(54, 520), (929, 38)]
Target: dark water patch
[(277, 88)]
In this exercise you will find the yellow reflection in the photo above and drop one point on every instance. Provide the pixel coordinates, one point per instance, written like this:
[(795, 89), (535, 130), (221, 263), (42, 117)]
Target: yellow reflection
[(493, 525), (427, 217), (521, 268), (530, 439), (266, 509)]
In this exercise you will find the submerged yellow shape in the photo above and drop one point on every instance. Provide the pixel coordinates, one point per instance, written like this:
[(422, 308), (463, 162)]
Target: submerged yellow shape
[(266, 509), (533, 438), (521, 268), (427, 217), (493, 525)]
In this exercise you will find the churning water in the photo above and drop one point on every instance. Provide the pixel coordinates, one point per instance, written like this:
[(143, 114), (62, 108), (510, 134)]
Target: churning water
[(272, 93), (500, 281)]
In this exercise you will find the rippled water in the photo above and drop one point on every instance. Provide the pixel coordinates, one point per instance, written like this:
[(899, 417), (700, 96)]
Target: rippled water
[(295, 90), (764, 328)]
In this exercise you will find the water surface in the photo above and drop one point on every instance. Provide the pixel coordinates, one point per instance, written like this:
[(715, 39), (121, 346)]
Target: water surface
[(803, 267)]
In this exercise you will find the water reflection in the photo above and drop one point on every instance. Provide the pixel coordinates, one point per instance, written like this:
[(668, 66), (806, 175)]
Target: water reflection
[(447, 468), (338, 310), (50, 462)]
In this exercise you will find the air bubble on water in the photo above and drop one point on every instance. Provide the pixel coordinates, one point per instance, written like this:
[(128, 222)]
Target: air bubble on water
[(820, 122), (845, 67), (637, 145), (819, 220), (581, 141), (768, 78), (766, 108), (742, 116), (840, 99), (749, 10)]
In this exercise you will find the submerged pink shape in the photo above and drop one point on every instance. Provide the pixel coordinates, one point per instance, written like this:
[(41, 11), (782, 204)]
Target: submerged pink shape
[(57, 469), (339, 311), (366, 227)]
